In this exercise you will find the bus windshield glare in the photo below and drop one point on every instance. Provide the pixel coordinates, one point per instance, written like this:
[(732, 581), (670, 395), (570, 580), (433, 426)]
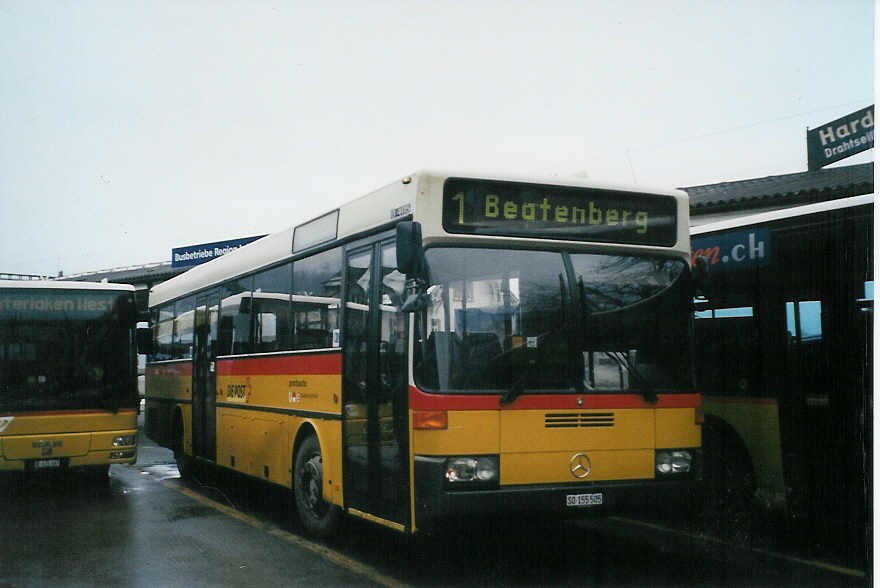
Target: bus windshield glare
[(514, 321), (65, 350)]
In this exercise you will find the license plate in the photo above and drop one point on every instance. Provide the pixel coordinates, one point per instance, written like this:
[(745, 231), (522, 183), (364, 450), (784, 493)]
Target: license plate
[(584, 499), (46, 464)]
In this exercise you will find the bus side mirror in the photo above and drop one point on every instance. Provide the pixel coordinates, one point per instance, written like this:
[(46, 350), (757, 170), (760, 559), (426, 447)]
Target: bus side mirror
[(411, 262), (410, 253), (144, 338)]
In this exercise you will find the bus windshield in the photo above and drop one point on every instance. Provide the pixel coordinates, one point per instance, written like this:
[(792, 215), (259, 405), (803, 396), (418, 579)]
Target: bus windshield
[(514, 321), (66, 350)]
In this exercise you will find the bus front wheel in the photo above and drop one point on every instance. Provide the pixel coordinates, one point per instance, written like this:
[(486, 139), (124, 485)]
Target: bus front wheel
[(319, 517), (729, 484)]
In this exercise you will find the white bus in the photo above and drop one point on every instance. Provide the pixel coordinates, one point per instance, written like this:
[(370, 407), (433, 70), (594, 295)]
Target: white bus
[(447, 346)]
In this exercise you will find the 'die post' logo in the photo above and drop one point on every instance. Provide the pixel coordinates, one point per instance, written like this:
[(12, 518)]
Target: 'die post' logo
[(298, 391)]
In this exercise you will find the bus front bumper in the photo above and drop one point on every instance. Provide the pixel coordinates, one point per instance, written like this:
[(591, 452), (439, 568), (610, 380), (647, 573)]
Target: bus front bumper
[(67, 450), (434, 501)]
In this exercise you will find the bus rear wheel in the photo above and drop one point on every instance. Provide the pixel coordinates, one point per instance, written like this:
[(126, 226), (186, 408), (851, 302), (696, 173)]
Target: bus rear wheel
[(319, 517)]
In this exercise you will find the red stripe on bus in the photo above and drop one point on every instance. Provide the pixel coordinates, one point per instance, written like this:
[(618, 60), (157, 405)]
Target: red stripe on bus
[(314, 364), (738, 399), (421, 401)]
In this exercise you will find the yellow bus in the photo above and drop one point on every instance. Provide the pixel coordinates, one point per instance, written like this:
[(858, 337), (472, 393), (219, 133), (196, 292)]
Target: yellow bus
[(784, 360), (447, 346), (68, 376)]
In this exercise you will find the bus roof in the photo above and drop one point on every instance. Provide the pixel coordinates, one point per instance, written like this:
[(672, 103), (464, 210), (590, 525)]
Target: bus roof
[(62, 285), (377, 208), (793, 212)]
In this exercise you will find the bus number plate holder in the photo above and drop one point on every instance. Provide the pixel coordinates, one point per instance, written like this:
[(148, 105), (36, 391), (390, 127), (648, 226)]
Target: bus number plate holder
[(576, 500), (46, 464)]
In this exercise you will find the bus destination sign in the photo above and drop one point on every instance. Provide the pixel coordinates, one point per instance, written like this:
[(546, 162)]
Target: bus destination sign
[(491, 207), (52, 305)]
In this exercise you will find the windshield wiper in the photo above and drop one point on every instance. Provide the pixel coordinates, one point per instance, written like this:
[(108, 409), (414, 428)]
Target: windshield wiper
[(624, 362)]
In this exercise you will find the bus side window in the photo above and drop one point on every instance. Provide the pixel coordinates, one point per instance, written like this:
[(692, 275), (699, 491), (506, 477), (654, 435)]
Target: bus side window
[(271, 310), (163, 328), (728, 361), (184, 322), (235, 318), (804, 320), (316, 291)]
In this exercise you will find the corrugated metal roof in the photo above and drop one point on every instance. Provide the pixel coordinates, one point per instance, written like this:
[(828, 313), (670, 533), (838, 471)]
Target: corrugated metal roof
[(811, 186)]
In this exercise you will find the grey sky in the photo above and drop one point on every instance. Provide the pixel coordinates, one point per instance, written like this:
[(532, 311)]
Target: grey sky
[(129, 128)]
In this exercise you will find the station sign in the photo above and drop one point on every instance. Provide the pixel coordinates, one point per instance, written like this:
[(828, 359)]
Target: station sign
[(840, 138), (197, 254)]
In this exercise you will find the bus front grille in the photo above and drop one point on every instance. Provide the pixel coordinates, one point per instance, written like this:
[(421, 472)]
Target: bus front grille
[(576, 420)]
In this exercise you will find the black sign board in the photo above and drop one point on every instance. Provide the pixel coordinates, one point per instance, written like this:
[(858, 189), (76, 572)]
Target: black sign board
[(840, 138), (732, 251), (490, 207)]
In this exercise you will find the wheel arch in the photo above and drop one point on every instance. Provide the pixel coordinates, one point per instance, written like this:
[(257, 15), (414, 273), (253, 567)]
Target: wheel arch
[(718, 431), (180, 433)]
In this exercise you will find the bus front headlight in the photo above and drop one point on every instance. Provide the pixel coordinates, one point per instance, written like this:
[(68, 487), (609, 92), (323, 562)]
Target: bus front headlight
[(669, 462), (468, 471), (123, 440)]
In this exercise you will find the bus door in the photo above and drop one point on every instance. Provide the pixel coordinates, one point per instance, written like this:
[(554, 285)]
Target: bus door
[(825, 395), (375, 418), (204, 383)]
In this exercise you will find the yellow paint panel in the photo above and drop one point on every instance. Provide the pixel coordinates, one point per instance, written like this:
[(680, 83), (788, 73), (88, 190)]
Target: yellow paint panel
[(81, 438), (676, 428), (40, 446), (469, 432), (757, 423), (258, 441), (186, 417), (330, 438), (320, 393), (554, 467)]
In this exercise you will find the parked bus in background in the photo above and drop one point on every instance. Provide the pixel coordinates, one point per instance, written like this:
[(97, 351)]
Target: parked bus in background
[(784, 360), (68, 376), (446, 346)]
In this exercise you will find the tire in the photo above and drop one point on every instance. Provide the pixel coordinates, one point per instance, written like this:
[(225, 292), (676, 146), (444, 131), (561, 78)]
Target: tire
[(318, 517), (729, 486), (184, 461)]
